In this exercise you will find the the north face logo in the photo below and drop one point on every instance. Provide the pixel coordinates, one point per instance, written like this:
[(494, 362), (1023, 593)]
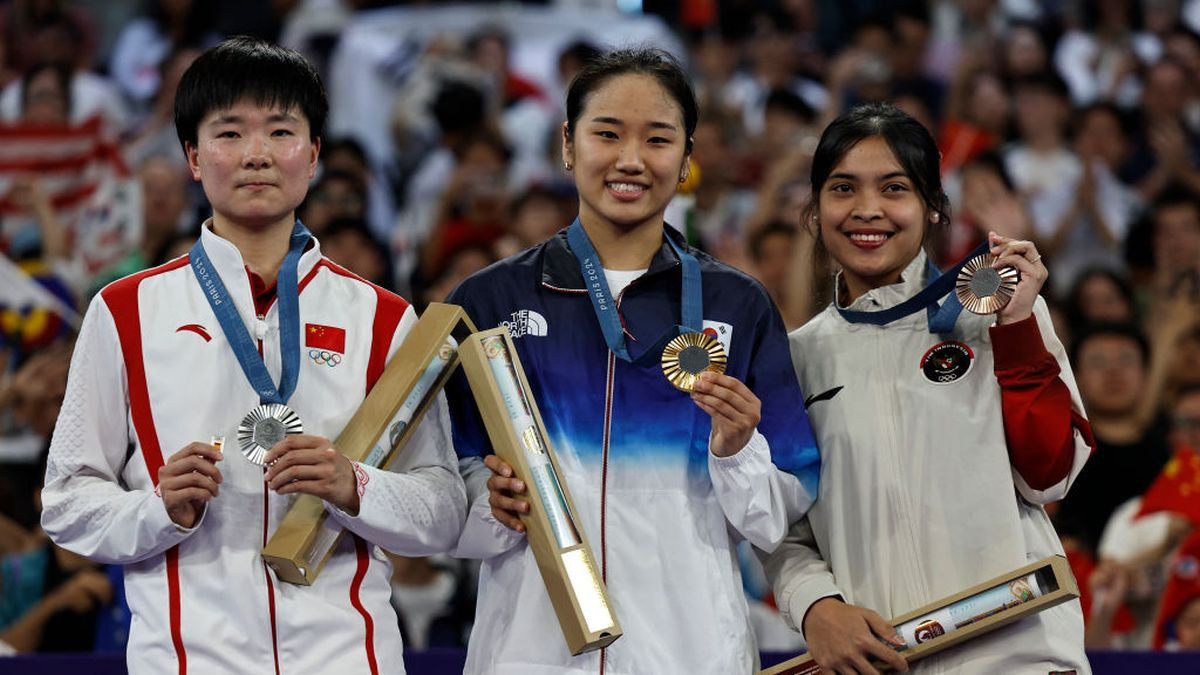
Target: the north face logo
[(525, 322)]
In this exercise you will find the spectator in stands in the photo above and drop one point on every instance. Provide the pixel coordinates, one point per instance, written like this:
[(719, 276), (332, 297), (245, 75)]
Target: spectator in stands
[(1040, 162), (1175, 217), (1100, 295), (347, 155), (1083, 221), (534, 217), (1111, 365), (335, 195), (154, 134), (771, 250), (348, 242), (1165, 150), (52, 597), (146, 43), (473, 208)]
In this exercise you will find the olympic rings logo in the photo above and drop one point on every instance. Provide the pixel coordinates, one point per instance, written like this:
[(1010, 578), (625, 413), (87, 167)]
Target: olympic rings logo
[(324, 358)]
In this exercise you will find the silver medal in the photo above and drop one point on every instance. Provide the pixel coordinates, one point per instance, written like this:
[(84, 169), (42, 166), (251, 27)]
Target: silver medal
[(263, 427)]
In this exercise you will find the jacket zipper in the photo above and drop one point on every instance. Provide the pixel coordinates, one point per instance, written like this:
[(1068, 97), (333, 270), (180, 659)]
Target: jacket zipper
[(266, 570), (608, 406)]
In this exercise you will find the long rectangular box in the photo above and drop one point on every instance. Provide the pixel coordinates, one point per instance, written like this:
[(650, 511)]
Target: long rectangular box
[(970, 613), (408, 385), (519, 437)]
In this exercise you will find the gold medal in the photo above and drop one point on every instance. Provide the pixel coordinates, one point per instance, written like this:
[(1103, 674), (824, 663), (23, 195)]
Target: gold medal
[(263, 427), (981, 288), (688, 355)]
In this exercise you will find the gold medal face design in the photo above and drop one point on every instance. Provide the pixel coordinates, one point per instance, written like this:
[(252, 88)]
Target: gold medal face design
[(983, 289), (688, 355), (263, 427)]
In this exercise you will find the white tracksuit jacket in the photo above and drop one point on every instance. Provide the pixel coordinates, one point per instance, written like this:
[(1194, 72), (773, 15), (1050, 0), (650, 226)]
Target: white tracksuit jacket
[(917, 498), (152, 371)]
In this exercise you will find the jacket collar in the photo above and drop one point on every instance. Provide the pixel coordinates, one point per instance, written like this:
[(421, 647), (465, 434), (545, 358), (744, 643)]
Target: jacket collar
[(560, 269), (231, 267), (912, 280)]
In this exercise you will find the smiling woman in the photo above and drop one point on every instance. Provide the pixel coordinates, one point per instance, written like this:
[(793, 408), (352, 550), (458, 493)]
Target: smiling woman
[(666, 482), (941, 432)]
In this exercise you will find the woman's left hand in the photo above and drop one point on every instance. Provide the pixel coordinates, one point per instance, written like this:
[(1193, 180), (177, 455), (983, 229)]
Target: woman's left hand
[(1022, 255), (734, 409), (311, 465)]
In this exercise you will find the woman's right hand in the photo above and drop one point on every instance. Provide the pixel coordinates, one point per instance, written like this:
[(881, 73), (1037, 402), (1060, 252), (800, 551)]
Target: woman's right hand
[(843, 639), (503, 489)]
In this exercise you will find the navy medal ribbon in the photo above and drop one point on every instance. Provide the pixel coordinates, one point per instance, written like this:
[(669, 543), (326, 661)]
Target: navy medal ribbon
[(605, 306), (941, 318), (288, 295)]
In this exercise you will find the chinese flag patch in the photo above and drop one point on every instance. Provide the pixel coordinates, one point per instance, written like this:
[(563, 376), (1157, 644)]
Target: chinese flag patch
[(325, 337)]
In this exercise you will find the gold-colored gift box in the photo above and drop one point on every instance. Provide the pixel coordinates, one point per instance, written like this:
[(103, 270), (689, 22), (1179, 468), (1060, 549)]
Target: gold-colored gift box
[(375, 435), (1054, 573), (519, 437)]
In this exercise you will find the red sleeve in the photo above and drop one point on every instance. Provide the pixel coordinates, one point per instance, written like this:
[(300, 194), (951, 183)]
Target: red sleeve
[(1039, 423)]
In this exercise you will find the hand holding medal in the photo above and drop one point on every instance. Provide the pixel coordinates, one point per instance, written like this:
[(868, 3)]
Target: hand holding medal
[(1022, 256), (304, 464), (734, 409)]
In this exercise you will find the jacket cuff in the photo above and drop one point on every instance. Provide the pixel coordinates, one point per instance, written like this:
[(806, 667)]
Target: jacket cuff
[(756, 451), (795, 600), (363, 476), (1017, 345)]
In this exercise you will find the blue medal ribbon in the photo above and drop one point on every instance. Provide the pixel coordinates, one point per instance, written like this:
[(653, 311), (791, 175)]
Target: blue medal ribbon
[(288, 296), (941, 318), (605, 306)]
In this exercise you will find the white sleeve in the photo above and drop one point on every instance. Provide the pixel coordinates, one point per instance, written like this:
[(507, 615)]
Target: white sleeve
[(483, 536), (759, 500), (417, 506), (799, 576), (86, 508)]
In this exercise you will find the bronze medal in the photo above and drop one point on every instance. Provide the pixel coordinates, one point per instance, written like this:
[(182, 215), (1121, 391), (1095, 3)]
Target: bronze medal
[(688, 355), (983, 289)]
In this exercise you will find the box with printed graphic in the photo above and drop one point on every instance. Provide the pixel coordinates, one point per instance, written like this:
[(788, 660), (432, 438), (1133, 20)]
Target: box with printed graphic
[(970, 613), (518, 436), (374, 436)]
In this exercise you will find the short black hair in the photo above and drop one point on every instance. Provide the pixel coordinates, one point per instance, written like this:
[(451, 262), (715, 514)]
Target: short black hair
[(1073, 307), (458, 107), (759, 237), (1127, 331), (62, 75), (1047, 82), (909, 141), (246, 67), (1175, 194), (787, 101), (656, 63)]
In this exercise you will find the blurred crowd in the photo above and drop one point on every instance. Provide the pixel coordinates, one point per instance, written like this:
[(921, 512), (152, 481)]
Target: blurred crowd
[(1069, 122)]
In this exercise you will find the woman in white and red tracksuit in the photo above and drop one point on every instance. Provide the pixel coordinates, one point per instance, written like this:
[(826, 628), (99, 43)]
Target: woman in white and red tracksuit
[(942, 433), (133, 477)]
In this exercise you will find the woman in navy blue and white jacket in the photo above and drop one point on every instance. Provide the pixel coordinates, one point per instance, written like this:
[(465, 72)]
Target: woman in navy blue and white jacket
[(665, 483)]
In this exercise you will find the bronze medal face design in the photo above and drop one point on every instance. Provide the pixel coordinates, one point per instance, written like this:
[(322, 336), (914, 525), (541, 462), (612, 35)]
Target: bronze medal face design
[(983, 289), (688, 355), (947, 362), (263, 427)]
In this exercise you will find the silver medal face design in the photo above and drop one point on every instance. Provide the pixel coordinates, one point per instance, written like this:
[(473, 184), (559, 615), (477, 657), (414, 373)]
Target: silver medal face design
[(265, 426), (983, 289)]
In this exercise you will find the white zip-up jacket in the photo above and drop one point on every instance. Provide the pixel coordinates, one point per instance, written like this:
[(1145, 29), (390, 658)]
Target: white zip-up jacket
[(919, 494), (152, 371)]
